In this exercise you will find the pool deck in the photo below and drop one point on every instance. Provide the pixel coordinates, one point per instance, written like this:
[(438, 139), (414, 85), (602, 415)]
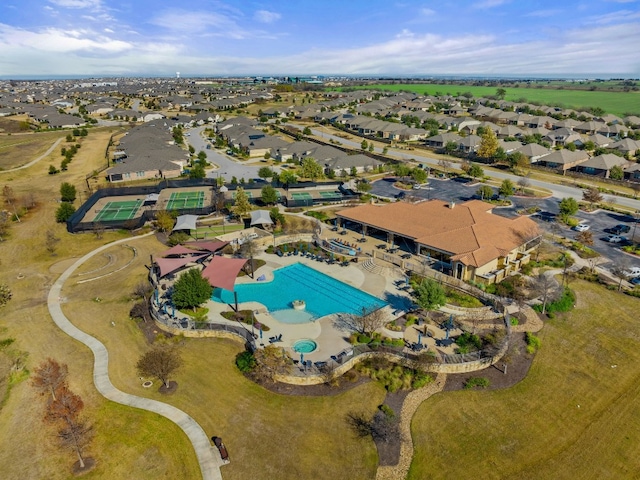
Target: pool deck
[(330, 339)]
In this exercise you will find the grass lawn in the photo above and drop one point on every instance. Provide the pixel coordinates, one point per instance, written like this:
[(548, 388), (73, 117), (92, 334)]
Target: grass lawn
[(215, 230), (617, 103), (574, 416), (268, 435)]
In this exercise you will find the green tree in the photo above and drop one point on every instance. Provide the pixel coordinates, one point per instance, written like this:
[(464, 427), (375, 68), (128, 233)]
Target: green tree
[(517, 160), (568, 206), (306, 131), (364, 187), (269, 195), (485, 192), (488, 144), (64, 212), (265, 172), (475, 171), (419, 175), (192, 149), (287, 177), (191, 290), (164, 221), (202, 156), (450, 147), (501, 93), (430, 295), (353, 171), (616, 173), (311, 169), (241, 205), (507, 188), (401, 170), (197, 171), (364, 145), (67, 192)]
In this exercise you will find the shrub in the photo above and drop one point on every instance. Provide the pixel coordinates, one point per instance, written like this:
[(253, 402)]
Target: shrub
[(362, 338), (387, 410), (469, 340), (533, 342), (514, 321), (564, 304), (420, 379), (245, 361), (481, 382)]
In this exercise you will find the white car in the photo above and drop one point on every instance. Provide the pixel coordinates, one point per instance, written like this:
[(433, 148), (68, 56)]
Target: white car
[(581, 227), (633, 272), (614, 239)]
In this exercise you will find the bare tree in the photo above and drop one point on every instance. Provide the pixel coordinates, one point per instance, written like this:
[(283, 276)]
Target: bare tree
[(49, 377), (592, 195), (381, 427), (4, 224), (159, 362), (585, 238), (73, 432), (367, 322), (98, 230), (51, 241), (545, 287), (618, 269), (10, 199), (445, 164), (524, 183), (143, 291), (5, 294)]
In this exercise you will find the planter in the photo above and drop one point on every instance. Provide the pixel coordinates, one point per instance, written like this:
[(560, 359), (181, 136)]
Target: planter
[(299, 304)]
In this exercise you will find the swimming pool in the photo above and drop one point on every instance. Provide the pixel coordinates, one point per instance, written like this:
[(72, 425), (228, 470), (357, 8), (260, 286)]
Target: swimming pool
[(322, 294)]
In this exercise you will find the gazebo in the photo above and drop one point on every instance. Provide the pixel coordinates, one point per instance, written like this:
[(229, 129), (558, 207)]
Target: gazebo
[(185, 222), (261, 217)]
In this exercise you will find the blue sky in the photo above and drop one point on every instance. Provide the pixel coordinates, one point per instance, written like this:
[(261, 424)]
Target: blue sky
[(368, 37)]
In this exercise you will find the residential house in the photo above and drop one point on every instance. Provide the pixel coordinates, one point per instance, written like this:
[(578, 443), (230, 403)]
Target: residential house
[(441, 140), (533, 151), (601, 165), (563, 160)]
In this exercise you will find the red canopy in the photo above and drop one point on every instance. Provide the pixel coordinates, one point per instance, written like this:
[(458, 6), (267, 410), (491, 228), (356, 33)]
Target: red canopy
[(206, 245), (169, 265), (222, 271), (179, 250)]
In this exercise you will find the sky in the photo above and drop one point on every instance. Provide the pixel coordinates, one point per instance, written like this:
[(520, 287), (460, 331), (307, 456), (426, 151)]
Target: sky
[(43, 38)]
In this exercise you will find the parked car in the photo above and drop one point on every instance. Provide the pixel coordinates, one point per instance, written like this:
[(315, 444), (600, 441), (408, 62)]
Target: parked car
[(635, 281), (581, 227), (632, 272), (620, 228), (614, 239)]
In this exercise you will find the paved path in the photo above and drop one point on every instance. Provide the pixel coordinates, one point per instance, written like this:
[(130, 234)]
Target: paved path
[(409, 407), (208, 458), (33, 162)]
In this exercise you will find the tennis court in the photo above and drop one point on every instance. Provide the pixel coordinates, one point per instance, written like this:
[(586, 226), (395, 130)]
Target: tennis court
[(330, 195), (118, 211), (301, 196), (185, 200)]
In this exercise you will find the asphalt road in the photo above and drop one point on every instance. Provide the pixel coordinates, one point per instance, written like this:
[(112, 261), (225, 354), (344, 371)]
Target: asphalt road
[(225, 165)]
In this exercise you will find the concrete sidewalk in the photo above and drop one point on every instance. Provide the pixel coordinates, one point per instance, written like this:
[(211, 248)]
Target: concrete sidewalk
[(207, 455)]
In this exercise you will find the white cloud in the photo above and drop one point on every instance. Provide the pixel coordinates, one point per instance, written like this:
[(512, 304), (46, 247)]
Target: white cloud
[(265, 16), (490, 3), (544, 13), (77, 3), (427, 12)]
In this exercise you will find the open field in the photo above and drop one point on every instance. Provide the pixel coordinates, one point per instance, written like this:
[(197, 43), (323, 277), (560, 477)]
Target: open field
[(617, 103), (574, 416), (18, 149)]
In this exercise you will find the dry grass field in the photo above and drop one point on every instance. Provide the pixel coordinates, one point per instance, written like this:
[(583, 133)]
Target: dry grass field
[(574, 416), (21, 148)]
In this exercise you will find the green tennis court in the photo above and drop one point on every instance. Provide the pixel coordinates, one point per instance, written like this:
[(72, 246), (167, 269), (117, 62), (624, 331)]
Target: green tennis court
[(184, 200), (330, 195), (301, 196), (118, 211)]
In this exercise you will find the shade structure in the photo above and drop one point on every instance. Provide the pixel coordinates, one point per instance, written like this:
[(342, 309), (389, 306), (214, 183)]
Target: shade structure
[(207, 246), (222, 271), (179, 250), (185, 222), (169, 265), (261, 217)]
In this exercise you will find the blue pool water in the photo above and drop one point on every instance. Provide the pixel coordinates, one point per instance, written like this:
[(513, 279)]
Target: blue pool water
[(304, 346), (323, 295)]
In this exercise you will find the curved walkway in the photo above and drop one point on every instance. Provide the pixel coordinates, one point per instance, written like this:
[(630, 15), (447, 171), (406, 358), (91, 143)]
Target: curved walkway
[(409, 407), (33, 162), (209, 460)]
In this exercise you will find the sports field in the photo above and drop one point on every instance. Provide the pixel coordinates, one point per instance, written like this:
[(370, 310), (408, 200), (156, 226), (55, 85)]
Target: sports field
[(301, 196), (247, 193), (616, 103), (118, 211), (184, 200), (330, 195)]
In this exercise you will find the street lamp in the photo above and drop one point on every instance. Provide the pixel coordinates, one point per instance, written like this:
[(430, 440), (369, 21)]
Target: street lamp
[(636, 218)]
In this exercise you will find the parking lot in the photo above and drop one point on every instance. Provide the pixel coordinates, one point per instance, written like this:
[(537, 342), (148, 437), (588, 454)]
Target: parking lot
[(462, 190)]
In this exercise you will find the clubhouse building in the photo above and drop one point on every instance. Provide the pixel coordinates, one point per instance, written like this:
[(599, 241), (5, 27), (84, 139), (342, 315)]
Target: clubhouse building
[(466, 240)]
